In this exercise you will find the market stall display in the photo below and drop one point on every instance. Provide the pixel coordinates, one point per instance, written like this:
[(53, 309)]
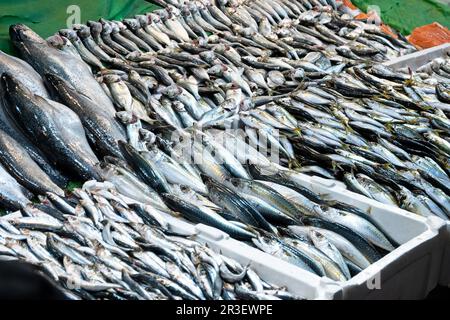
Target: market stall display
[(224, 114)]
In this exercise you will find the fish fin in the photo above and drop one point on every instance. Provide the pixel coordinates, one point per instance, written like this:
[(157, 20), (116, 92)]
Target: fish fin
[(293, 163), (386, 165), (298, 131), (346, 147), (389, 127), (348, 129), (333, 165)]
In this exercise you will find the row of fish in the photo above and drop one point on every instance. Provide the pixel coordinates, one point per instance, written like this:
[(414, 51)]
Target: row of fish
[(147, 104)]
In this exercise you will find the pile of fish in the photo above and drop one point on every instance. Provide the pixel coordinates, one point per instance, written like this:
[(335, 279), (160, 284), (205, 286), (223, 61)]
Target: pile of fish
[(103, 245), (213, 111)]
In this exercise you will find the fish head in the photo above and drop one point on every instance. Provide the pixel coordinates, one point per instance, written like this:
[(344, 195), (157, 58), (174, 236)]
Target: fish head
[(229, 104), (154, 18), (272, 37), (84, 32), (22, 36), (13, 87), (95, 27), (246, 104), (77, 26), (133, 56), (56, 41), (69, 34), (147, 136), (126, 117), (106, 28), (171, 200), (178, 106), (115, 27), (316, 235), (133, 24), (121, 25), (238, 184), (214, 38), (143, 20), (171, 91), (208, 56), (111, 78), (185, 12), (216, 70)]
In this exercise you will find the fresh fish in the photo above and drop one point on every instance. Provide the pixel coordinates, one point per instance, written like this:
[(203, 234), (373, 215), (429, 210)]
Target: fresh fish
[(102, 129), (20, 165), (52, 126), (49, 60)]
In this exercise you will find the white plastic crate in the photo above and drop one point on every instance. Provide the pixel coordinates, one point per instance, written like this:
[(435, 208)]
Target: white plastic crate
[(417, 59), (269, 268), (409, 272), (445, 269)]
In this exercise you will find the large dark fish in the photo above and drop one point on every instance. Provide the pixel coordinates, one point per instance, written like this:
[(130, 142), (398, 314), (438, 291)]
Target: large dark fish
[(102, 128), (8, 125), (19, 164), (46, 59), (53, 127), (24, 73), (12, 195)]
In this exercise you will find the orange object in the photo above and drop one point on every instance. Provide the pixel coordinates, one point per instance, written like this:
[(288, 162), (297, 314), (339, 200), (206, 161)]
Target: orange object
[(386, 29), (365, 16), (349, 4), (362, 16), (430, 35)]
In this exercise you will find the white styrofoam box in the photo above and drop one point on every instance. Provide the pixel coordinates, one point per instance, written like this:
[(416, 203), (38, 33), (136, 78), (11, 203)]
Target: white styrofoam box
[(417, 59), (445, 269), (409, 272), (271, 269)]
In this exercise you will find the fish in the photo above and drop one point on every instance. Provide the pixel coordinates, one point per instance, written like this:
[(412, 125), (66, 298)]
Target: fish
[(102, 128), (22, 167), (323, 244), (52, 126), (146, 168), (46, 59), (205, 215), (13, 195)]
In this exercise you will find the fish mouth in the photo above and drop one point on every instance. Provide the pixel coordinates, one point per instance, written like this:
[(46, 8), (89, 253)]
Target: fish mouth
[(16, 32)]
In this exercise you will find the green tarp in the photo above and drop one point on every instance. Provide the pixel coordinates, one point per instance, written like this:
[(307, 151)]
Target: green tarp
[(48, 16), (405, 15)]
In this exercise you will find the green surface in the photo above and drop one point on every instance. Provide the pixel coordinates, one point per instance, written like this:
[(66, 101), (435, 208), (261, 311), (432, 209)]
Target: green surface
[(405, 15), (74, 185), (48, 16)]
